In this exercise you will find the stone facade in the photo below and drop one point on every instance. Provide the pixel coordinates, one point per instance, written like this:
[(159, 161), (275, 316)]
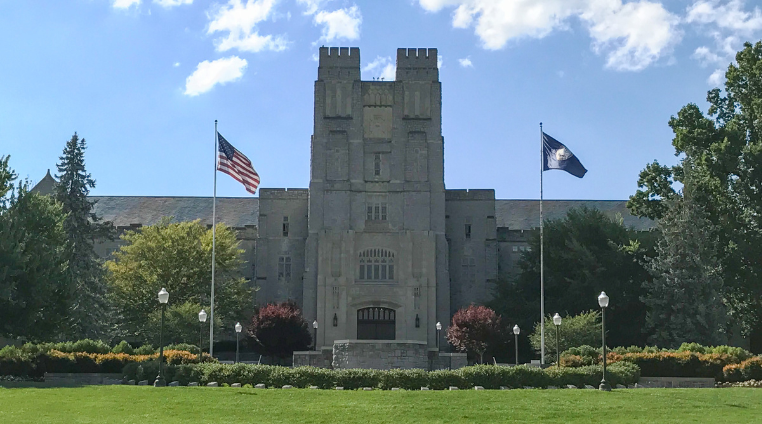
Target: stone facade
[(380, 354)]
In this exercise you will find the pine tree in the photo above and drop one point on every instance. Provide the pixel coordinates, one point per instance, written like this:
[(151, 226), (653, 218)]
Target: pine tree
[(89, 309), (684, 298)]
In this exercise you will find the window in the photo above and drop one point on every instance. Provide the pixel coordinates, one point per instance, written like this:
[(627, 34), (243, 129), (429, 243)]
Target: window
[(285, 226), (377, 164), (515, 248), (376, 265), (284, 268), (376, 211), (468, 231), (468, 269)]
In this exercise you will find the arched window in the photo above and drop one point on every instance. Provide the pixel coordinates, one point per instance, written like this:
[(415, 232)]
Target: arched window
[(376, 265), (376, 323)]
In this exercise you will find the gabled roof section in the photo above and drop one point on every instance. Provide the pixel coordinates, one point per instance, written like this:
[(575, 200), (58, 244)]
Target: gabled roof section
[(124, 211), (525, 214), (46, 185)]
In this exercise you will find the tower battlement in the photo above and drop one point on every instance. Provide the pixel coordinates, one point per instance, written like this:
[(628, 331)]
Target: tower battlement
[(417, 64), (339, 63)]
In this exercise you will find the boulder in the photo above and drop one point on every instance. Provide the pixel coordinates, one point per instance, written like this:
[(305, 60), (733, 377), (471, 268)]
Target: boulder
[(424, 388), (193, 384), (453, 387), (143, 383), (288, 386), (235, 385), (212, 384), (174, 384), (339, 388), (260, 386), (131, 382), (394, 389), (478, 388), (571, 386), (314, 387), (367, 388)]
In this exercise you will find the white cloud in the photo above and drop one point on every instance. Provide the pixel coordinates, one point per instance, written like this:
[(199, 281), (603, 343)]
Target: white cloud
[(633, 35), (340, 24), (172, 3), (208, 74), (311, 6), (466, 62), (440, 61), (125, 4), (716, 78), (239, 20), (382, 68), (176, 64)]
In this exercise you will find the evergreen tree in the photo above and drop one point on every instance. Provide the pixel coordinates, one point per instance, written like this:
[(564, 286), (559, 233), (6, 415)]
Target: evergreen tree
[(89, 311), (684, 298)]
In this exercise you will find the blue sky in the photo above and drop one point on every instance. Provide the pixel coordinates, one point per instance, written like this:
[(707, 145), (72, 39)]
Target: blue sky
[(143, 81)]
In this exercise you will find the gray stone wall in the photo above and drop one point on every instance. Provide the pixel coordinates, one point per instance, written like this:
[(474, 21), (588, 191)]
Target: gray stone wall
[(380, 354)]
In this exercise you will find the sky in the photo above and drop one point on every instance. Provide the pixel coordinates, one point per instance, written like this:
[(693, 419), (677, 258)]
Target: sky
[(144, 80)]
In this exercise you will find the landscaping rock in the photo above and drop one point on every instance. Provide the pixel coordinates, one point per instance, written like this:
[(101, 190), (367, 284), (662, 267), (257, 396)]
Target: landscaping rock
[(571, 386), (174, 384), (314, 387), (131, 382), (339, 388), (367, 388), (478, 388), (619, 386), (505, 388), (528, 387), (288, 386), (193, 384), (260, 386), (454, 388), (587, 386), (143, 383), (424, 388), (235, 385), (212, 384), (394, 389)]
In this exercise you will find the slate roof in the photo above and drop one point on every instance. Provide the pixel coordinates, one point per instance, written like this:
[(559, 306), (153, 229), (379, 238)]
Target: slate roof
[(525, 214), (148, 210)]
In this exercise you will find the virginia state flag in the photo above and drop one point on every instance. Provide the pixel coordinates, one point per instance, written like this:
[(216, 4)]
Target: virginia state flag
[(557, 156)]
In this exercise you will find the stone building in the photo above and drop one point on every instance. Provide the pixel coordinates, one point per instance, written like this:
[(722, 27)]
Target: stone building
[(376, 248)]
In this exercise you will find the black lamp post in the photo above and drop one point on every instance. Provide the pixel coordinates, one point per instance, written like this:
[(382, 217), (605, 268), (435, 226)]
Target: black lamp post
[(163, 299), (238, 328), (516, 331), (314, 330), (439, 329), (603, 302), (557, 322), (201, 320)]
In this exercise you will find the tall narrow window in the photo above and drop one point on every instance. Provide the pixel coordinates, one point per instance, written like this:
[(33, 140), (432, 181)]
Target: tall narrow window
[(285, 226), (284, 268), (377, 164), (376, 211), (468, 269), (468, 231)]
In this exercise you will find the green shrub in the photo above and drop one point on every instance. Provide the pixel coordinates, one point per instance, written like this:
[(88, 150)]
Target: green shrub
[(183, 346), (750, 369), (676, 364), (443, 379), (146, 349), (90, 346), (404, 379), (16, 362), (357, 378), (577, 330), (123, 347)]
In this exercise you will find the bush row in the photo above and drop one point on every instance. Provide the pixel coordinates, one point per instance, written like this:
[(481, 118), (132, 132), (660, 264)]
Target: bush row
[(592, 355), (487, 376), (750, 369), (18, 362), (98, 346)]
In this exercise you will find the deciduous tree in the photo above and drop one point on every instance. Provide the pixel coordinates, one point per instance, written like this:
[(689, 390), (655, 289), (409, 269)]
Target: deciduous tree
[(473, 329), (279, 329)]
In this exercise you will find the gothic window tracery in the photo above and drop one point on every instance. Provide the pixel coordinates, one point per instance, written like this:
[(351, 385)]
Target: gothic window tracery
[(376, 265)]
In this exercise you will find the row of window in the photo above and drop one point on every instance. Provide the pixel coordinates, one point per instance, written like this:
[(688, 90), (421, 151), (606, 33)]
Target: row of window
[(522, 248)]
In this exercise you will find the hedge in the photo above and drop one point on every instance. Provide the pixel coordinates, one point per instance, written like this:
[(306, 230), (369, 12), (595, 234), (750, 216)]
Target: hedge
[(750, 369), (21, 362), (487, 376)]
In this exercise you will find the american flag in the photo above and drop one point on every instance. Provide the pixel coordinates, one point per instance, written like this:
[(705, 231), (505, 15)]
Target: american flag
[(236, 164)]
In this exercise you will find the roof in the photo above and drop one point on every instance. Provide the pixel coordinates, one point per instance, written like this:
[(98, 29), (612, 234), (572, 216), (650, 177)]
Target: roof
[(124, 211), (525, 214), (46, 185)]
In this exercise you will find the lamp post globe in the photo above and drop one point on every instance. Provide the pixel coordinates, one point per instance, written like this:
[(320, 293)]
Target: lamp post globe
[(201, 319), (557, 322), (603, 302), (238, 328), (163, 299), (314, 338)]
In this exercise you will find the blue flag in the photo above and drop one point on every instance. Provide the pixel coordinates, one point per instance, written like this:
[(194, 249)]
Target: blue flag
[(557, 156)]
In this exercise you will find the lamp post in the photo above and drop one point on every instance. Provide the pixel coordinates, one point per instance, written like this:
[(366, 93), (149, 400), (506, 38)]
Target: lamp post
[(603, 302), (163, 299), (439, 328), (238, 328), (201, 320), (557, 322), (516, 331), (314, 329)]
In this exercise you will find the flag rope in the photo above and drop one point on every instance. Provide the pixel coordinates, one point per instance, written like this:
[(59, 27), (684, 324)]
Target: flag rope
[(214, 239), (542, 256)]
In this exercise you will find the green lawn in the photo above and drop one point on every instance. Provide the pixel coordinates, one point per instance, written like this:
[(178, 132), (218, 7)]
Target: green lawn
[(134, 404)]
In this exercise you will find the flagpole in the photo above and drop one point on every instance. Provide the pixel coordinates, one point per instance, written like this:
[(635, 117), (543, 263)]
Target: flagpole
[(542, 257), (214, 239)]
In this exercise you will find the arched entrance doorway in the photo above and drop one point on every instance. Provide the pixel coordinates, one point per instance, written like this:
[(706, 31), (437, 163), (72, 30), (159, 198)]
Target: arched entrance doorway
[(376, 323)]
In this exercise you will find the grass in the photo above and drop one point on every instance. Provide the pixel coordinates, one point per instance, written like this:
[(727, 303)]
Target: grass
[(133, 404)]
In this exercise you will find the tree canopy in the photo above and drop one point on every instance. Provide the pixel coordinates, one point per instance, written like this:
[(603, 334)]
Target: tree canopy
[(279, 329), (473, 329), (178, 257), (724, 148)]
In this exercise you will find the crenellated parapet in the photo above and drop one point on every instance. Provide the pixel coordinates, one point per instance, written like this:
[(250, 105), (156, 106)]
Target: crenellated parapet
[(417, 65), (339, 63)]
